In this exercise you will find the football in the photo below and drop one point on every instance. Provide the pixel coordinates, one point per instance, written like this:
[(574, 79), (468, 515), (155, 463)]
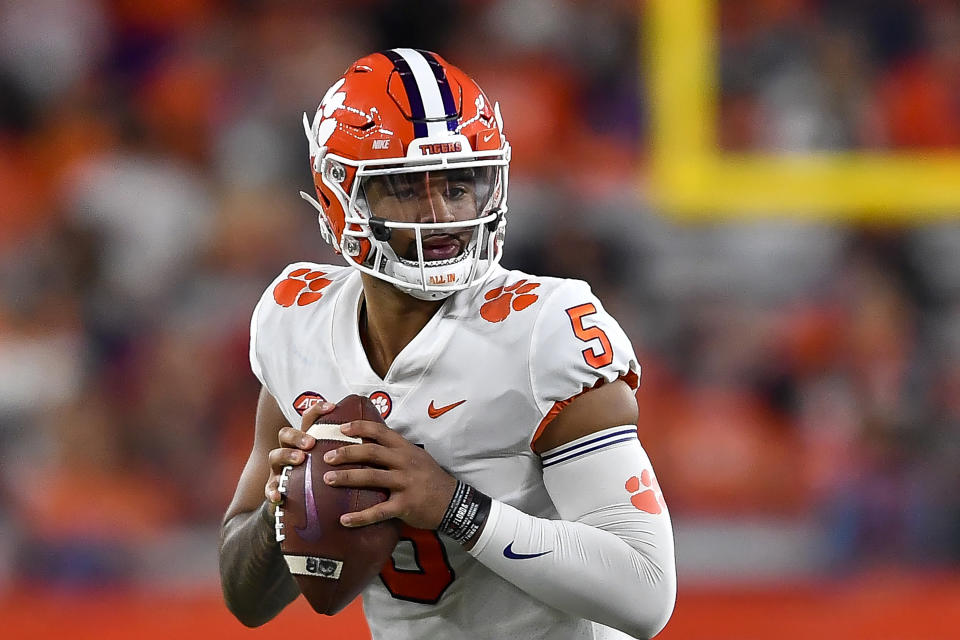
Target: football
[(330, 562)]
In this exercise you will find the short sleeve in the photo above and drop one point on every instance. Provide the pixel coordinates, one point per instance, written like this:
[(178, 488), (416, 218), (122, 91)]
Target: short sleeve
[(255, 364), (273, 325), (264, 316), (575, 346)]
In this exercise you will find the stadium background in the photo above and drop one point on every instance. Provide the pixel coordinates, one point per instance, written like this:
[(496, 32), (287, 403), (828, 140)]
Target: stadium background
[(763, 192)]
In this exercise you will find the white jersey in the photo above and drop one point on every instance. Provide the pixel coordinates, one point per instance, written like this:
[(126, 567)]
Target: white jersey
[(473, 387)]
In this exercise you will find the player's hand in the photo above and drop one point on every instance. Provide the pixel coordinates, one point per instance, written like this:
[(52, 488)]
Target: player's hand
[(293, 444), (420, 489)]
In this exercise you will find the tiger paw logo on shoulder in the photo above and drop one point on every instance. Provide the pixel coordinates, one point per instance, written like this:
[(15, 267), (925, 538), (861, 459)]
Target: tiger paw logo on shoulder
[(301, 286), (502, 300)]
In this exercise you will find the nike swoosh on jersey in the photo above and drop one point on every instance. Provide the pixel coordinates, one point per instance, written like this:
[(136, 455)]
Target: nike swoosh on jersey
[(313, 530), (508, 552), (436, 412)]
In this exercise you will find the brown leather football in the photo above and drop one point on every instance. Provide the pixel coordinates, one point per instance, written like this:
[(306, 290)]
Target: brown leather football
[(331, 563)]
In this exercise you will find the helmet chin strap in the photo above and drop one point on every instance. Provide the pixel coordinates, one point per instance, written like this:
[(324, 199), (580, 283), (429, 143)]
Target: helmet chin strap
[(419, 294), (456, 272)]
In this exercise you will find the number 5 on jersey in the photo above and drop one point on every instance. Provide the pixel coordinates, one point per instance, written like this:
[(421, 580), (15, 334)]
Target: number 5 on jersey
[(427, 583), (594, 358), (433, 574)]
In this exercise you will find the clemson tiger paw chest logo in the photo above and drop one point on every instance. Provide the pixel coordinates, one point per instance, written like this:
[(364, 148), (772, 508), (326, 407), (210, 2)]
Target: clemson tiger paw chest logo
[(300, 287), (502, 300)]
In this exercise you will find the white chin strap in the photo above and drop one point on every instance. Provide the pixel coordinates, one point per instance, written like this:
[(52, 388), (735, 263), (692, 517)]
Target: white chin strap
[(448, 272)]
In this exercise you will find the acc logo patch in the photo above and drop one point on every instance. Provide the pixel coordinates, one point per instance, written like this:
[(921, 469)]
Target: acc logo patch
[(306, 400)]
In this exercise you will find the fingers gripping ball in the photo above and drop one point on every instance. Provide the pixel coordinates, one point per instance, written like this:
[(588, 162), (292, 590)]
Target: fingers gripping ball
[(330, 562)]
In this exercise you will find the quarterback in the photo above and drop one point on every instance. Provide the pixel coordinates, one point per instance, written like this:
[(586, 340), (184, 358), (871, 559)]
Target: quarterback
[(530, 508)]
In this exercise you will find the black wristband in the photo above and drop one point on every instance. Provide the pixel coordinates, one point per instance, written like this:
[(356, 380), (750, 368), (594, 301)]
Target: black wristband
[(466, 513)]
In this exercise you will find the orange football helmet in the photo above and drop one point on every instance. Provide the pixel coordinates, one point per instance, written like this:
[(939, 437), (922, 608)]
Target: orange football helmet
[(399, 124)]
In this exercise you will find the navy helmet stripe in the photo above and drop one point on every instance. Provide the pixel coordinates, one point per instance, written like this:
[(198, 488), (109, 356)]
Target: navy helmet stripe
[(446, 94), (413, 92)]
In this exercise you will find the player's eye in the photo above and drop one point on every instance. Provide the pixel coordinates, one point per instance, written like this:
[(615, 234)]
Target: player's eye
[(403, 193), (457, 191), (401, 189)]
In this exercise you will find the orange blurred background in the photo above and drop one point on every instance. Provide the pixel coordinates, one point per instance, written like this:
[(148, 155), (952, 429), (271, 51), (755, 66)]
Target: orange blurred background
[(801, 379)]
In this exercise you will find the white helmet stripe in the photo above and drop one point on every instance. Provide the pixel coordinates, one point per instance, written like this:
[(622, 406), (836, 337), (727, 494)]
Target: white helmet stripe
[(429, 91)]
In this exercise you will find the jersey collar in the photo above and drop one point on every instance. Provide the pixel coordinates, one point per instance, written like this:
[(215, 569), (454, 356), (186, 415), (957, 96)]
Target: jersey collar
[(411, 363)]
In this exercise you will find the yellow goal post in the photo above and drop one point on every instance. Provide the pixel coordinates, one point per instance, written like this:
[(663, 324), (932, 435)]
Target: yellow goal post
[(692, 179)]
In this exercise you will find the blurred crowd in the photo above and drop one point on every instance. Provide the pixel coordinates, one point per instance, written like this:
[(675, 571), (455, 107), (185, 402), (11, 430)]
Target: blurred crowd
[(150, 157), (840, 74)]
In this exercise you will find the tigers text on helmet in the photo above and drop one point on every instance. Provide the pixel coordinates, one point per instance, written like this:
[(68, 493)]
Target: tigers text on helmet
[(410, 166)]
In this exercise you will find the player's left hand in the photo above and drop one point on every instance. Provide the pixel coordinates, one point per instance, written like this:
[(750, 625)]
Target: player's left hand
[(420, 489)]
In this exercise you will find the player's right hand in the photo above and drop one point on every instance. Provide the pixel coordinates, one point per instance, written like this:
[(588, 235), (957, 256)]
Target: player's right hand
[(293, 444)]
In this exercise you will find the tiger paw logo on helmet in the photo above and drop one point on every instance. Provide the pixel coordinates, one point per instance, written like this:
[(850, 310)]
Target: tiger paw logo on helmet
[(300, 287), (502, 300)]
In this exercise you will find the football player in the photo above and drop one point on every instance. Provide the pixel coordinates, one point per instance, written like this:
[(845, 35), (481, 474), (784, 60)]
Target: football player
[(530, 509)]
